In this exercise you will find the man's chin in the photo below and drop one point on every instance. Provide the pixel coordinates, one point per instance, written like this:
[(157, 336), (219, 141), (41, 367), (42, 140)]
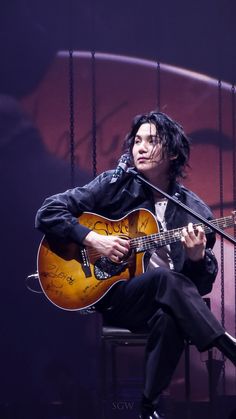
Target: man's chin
[(144, 168)]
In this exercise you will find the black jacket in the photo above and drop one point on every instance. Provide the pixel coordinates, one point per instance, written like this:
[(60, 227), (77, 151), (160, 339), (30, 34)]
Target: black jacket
[(58, 217)]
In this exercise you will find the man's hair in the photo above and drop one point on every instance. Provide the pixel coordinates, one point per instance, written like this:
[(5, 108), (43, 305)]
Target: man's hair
[(171, 136)]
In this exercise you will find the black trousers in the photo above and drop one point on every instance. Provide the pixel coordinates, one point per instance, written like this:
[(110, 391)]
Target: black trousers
[(168, 306)]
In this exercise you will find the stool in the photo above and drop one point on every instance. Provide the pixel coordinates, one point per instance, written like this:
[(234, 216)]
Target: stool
[(115, 337), (119, 337)]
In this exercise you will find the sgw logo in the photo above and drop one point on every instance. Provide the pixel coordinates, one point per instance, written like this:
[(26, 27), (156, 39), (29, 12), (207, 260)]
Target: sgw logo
[(122, 405)]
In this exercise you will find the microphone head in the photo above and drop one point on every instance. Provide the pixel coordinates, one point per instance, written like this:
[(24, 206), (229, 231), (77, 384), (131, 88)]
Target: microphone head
[(124, 161), (123, 164)]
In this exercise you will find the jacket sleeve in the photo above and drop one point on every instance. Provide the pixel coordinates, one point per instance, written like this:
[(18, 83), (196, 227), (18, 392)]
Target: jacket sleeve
[(202, 273), (58, 214)]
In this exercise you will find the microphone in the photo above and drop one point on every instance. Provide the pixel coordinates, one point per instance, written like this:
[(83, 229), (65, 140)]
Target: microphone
[(122, 167)]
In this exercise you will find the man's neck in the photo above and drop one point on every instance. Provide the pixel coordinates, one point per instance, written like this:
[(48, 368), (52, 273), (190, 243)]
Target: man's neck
[(162, 182)]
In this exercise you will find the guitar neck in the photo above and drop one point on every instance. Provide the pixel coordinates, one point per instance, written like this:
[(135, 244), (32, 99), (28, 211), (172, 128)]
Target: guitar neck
[(163, 238)]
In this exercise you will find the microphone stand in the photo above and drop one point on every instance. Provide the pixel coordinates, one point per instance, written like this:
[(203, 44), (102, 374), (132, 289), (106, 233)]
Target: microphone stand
[(185, 207)]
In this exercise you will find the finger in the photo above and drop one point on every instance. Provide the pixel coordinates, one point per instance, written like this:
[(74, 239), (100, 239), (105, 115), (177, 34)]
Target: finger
[(124, 242), (117, 258), (200, 233), (185, 237), (123, 247), (118, 253), (191, 232)]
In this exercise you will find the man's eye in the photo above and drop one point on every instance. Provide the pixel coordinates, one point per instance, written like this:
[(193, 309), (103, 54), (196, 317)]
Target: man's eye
[(154, 140)]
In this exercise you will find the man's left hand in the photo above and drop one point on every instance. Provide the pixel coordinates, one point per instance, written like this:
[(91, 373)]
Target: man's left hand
[(194, 241)]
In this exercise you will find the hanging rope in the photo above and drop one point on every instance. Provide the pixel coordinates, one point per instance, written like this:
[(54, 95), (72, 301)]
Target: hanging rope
[(158, 74), (71, 121), (221, 215), (94, 116), (91, 310)]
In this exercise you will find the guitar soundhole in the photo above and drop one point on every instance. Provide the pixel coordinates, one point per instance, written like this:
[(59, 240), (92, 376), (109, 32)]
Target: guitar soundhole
[(104, 268)]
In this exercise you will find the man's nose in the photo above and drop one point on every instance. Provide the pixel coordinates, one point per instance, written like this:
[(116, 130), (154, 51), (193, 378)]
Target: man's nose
[(143, 148)]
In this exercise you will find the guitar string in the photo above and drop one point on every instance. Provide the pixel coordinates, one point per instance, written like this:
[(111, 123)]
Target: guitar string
[(169, 236), (174, 235)]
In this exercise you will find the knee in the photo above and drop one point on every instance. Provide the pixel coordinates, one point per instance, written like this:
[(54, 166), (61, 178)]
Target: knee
[(165, 280), (165, 277), (162, 318), (164, 323), (155, 277), (159, 272)]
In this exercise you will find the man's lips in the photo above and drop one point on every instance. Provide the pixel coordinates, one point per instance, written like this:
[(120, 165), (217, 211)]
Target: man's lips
[(143, 159)]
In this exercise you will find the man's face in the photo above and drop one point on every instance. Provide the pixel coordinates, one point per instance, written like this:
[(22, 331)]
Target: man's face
[(147, 151)]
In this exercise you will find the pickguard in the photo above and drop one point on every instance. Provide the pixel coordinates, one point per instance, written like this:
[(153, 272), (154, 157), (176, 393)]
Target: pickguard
[(104, 268)]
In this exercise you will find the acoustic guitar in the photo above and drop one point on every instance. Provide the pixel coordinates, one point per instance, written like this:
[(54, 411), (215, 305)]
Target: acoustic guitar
[(75, 277)]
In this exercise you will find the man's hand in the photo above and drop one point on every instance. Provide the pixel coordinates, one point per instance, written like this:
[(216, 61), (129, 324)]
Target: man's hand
[(114, 247), (194, 241)]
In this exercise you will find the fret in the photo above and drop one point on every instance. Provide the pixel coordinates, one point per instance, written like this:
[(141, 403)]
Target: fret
[(163, 238)]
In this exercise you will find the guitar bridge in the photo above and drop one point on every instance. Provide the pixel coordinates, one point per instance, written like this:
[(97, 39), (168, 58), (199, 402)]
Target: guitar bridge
[(85, 263)]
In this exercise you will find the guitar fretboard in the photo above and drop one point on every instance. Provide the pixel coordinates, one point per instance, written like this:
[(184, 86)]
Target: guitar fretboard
[(163, 238)]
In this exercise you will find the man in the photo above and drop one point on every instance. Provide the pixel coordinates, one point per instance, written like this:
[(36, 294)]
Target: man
[(166, 299)]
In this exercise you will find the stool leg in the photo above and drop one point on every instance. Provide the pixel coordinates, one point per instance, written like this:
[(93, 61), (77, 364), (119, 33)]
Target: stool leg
[(210, 382), (187, 378), (104, 379), (114, 372)]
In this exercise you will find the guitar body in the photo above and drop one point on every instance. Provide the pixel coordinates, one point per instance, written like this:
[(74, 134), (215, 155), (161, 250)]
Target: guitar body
[(74, 277)]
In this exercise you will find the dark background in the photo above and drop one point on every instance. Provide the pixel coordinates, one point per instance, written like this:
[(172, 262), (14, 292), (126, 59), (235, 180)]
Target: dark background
[(196, 35)]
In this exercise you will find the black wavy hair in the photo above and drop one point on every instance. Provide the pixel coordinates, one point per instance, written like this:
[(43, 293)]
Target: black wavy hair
[(172, 137)]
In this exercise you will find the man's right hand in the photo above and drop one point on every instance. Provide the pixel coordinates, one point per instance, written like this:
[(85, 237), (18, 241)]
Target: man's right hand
[(114, 247)]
